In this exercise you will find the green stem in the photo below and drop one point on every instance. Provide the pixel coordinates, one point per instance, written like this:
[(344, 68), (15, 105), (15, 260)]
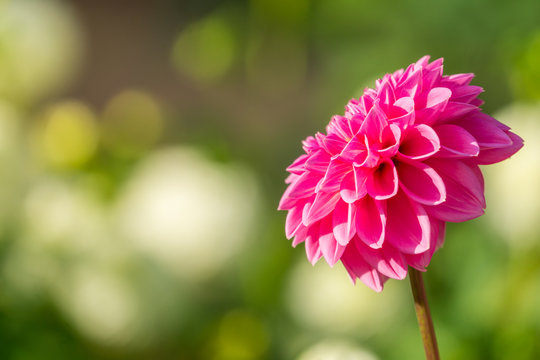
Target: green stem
[(423, 315)]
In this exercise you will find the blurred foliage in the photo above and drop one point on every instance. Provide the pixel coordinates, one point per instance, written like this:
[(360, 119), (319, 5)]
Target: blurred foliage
[(143, 147)]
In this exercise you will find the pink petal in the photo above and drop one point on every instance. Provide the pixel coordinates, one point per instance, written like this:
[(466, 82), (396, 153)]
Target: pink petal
[(310, 144), (421, 183), (387, 260), (491, 156), (359, 268), (343, 222), (423, 61), (367, 100), (466, 94), (318, 161), (339, 125), (297, 167), (383, 181), (304, 185), (372, 157), (355, 150), (353, 186), (421, 261), (411, 85), (386, 94), (300, 236), (356, 122), (374, 123), (419, 142), (313, 250), (455, 110), (371, 221), (437, 98), (485, 130), (435, 103), (330, 248), (402, 113), (456, 142), (287, 202), (457, 80), (464, 191), (432, 73), (334, 144), (391, 137), (352, 108), (291, 178), (293, 221), (337, 169), (408, 226), (322, 205)]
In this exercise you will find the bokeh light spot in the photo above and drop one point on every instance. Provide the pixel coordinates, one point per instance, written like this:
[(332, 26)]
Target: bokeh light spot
[(206, 50), (67, 135), (41, 47), (189, 213), (132, 122)]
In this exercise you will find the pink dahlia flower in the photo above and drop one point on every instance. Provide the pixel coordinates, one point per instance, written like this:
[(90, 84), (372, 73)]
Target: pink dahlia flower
[(376, 190)]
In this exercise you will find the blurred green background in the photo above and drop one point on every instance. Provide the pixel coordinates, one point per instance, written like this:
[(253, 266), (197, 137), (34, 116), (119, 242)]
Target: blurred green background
[(143, 147)]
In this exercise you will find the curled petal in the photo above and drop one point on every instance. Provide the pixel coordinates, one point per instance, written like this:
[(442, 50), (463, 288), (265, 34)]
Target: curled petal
[(371, 221), (372, 155), (419, 142), (382, 183), (421, 183), (456, 142), (408, 226), (435, 103), (357, 267), (391, 137), (421, 261), (353, 186), (374, 124), (402, 113), (437, 98)]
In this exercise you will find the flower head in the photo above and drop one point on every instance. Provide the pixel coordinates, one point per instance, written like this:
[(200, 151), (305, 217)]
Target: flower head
[(376, 190)]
